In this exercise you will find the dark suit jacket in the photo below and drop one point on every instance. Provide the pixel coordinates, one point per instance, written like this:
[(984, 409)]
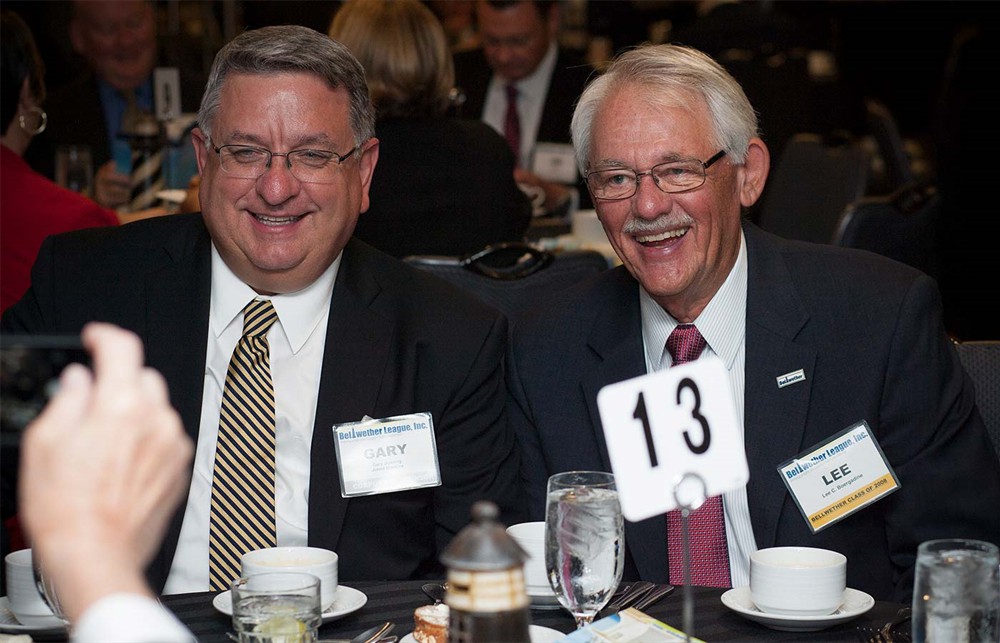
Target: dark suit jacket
[(443, 186), (569, 77), (399, 341), (866, 330)]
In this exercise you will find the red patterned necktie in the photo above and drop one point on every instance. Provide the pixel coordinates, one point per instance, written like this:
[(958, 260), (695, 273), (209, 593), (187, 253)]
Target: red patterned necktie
[(707, 525), (512, 123)]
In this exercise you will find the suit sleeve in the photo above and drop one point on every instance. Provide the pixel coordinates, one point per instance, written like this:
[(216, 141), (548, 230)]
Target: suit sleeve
[(478, 454), (934, 435)]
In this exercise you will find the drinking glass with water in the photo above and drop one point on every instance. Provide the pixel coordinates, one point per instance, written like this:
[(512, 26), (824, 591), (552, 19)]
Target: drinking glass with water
[(584, 541), (280, 607)]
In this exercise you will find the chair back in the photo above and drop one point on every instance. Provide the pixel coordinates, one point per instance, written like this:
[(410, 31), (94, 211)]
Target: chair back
[(901, 226), (812, 183), (981, 360), (513, 277)]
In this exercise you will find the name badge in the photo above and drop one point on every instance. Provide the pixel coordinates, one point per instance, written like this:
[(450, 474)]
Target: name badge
[(554, 162), (673, 438), (834, 479), (382, 456)]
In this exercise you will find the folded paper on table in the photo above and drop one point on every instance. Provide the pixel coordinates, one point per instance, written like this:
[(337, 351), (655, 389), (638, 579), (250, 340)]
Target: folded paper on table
[(629, 625)]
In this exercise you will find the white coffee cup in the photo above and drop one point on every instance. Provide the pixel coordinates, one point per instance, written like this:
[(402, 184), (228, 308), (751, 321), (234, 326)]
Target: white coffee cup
[(23, 596), (797, 581), (531, 537), (319, 562)]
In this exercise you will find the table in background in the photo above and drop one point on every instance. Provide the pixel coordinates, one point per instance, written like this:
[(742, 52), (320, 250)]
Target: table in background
[(395, 601)]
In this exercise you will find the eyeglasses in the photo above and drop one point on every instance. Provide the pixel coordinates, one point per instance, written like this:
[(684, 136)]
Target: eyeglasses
[(308, 166), (675, 176)]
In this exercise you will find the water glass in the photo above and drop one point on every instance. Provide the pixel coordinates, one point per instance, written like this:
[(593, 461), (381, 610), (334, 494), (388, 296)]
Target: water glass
[(956, 592), (584, 541), (75, 169), (278, 607)]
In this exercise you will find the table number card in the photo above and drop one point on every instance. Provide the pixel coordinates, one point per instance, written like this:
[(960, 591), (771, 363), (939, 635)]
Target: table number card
[(663, 426)]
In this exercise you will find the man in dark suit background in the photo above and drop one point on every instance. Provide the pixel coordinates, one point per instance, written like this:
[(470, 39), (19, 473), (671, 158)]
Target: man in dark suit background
[(520, 48), (118, 41), (671, 149), (286, 153)]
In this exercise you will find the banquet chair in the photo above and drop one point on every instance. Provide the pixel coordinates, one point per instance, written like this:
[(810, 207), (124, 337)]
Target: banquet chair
[(513, 277), (901, 226), (981, 360), (813, 182)]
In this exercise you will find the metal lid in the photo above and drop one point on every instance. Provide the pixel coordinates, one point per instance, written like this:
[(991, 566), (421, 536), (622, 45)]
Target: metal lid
[(484, 544)]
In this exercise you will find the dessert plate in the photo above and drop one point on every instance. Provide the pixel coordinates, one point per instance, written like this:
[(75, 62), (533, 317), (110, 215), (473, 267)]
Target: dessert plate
[(348, 600), (46, 626), (855, 604), (537, 633)]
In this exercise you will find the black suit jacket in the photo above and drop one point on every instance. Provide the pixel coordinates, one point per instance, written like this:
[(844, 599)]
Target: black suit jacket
[(398, 341), (443, 186), (866, 330), (569, 78)]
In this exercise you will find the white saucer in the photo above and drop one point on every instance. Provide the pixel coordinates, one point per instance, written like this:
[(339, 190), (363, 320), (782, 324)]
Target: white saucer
[(855, 604), (348, 600), (537, 633), (542, 599), (46, 625)]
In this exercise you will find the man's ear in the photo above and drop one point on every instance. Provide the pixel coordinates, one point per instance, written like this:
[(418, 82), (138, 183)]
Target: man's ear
[(754, 172), (198, 139)]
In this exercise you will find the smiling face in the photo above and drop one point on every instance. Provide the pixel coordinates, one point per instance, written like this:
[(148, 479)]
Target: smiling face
[(275, 232), (118, 39), (680, 246)]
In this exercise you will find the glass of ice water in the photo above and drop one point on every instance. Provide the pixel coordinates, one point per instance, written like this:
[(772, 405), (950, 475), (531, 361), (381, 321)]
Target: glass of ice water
[(584, 541), (279, 607), (956, 592)]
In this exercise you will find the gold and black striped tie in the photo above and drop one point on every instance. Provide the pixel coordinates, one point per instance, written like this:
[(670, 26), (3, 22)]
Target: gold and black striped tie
[(242, 513)]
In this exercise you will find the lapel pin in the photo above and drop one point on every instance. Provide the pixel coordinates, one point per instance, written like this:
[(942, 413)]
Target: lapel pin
[(791, 378)]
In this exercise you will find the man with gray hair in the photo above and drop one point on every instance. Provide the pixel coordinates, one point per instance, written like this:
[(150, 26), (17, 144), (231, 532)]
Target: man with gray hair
[(283, 340), (815, 339)]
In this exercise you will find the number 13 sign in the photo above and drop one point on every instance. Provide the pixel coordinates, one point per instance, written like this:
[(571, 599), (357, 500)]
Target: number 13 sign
[(664, 426)]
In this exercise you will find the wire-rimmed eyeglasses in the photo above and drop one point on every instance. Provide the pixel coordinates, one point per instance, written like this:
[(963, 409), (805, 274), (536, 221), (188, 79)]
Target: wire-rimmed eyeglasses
[(308, 166), (671, 177)]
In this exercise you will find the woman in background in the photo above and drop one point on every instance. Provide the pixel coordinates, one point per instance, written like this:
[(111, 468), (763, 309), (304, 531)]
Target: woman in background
[(31, 206), (443, 185)]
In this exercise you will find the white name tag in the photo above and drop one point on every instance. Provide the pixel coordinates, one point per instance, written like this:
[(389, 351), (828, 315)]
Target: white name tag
[(836, 478), (382, 456), (554, 162), (662, 427)]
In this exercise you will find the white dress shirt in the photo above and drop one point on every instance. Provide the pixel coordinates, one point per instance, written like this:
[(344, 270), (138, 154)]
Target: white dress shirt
[(532, 92), (129, 618), (296, 341), (723, 325)]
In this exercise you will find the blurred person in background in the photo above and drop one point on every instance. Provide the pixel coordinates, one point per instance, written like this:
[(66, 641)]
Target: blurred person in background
[(443, 185), (521, 66), (118, 40), (31, 206)]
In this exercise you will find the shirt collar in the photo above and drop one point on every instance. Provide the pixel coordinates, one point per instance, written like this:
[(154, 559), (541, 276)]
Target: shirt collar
[(722, 323), (299, 312)]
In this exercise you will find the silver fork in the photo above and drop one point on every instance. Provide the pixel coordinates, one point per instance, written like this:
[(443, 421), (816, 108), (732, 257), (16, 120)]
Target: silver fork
[(885, 634), (660, 591)]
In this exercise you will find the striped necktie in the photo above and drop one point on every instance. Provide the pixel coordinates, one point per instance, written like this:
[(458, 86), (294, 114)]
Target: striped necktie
[(707, 524), (242, 510)]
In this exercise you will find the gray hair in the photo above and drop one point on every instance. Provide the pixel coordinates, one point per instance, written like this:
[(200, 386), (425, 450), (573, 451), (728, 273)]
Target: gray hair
[(290, 49), (662, 72)]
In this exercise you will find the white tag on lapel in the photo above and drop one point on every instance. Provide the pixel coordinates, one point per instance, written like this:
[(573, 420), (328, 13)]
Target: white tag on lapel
[(391, 454)]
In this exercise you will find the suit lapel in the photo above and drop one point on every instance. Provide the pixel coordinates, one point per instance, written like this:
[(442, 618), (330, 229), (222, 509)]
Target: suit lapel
[(616, 339), (178, 297), (774, 418), (354, 360)]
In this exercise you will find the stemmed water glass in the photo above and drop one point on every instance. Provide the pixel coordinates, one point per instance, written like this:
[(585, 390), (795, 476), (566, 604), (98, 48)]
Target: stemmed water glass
[(584, 541)]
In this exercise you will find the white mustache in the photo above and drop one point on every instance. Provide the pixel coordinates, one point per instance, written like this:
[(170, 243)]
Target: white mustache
[(660, 224)]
